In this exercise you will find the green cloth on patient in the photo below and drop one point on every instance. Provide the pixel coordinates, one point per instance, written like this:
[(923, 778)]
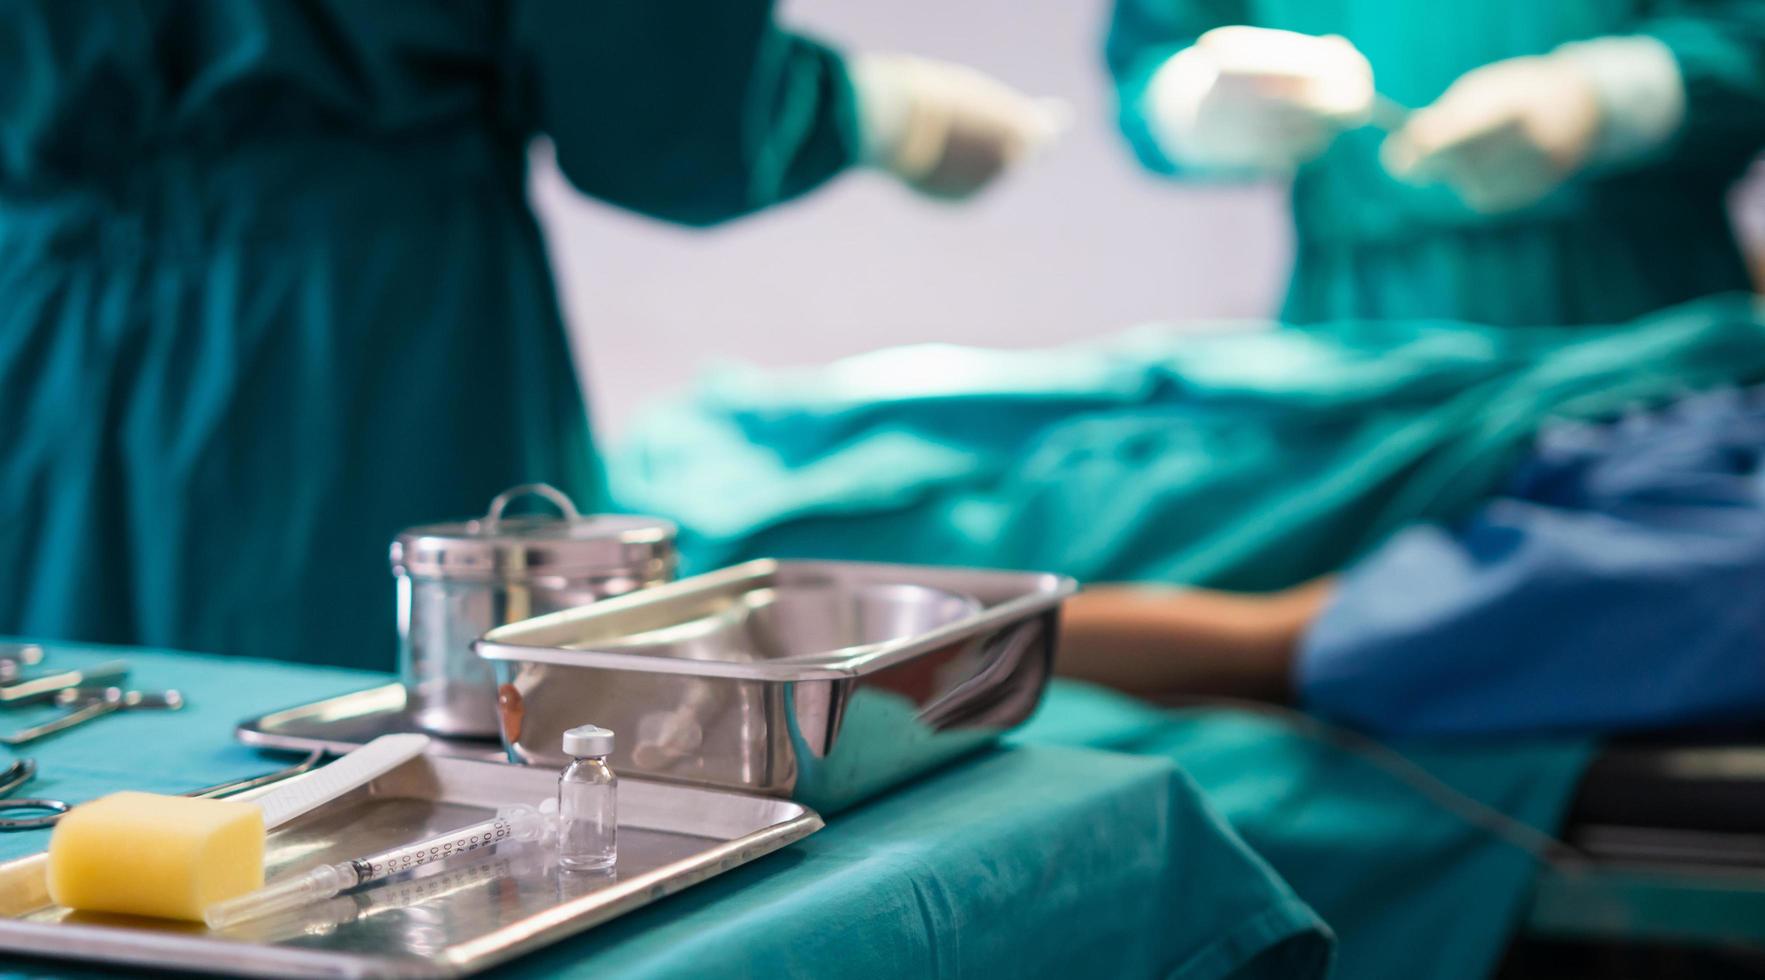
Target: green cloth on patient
[(1410, 889), (1248, 460), (1242, 460)]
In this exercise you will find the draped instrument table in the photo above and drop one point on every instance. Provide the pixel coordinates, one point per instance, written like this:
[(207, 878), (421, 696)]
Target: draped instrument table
[(1023, 861)]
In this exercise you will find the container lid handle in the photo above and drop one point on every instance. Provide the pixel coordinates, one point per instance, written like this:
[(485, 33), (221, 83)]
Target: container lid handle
[(557, 497)]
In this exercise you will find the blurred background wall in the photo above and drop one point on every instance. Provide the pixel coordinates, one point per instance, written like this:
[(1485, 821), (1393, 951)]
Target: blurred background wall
[(1078, 244), (1081, 243)]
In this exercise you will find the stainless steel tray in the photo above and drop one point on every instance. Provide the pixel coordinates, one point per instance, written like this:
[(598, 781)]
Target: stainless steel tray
[(350, 721), (709, 680), (469, 914)]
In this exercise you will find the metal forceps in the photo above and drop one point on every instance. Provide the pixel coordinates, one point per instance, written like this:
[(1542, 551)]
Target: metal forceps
[(38, 813), (15, 657), (87, 704)]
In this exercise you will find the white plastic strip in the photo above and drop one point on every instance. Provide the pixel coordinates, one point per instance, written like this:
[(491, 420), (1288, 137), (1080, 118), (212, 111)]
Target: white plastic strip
[(358, 768)]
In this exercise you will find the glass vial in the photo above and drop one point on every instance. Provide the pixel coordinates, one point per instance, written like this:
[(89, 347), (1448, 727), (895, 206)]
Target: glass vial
[(588, 802)]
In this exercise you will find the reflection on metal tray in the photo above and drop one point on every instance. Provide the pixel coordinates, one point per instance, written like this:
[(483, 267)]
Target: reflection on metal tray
[(350, 721), (466, 915), (800, 622), (712, 680)]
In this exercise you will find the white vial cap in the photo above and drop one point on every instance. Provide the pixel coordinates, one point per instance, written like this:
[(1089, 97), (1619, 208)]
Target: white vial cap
[(588, 740)]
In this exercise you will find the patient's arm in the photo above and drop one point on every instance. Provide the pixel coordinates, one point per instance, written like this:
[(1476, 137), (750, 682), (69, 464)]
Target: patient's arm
[(1162, 641)]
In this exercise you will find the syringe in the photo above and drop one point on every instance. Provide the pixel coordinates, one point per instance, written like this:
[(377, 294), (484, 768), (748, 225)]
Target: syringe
[(514, 823)]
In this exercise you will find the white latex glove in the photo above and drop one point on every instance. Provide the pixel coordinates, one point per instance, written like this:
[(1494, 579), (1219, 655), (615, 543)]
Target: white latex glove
[(1505, 135), (1250, 98), (946, 130)]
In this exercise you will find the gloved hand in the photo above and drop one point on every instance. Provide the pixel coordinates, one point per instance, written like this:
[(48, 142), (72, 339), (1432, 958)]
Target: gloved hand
[(1250, 98), (946, 130), (1505, 135)]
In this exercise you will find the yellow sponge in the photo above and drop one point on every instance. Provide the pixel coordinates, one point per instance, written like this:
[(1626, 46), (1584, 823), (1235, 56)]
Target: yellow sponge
[(165, 856)]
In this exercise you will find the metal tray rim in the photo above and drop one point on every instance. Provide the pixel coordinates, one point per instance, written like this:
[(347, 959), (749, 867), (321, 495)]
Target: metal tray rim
[(51, 940), (503, 643), (253, 732)]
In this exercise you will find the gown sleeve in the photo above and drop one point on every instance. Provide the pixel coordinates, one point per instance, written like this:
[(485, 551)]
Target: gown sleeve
[(1143, 34), (77, 81), (1720, 48), (694, 113), (1619, 585)]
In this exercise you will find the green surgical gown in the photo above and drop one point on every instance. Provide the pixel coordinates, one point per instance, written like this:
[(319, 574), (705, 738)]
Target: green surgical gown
[(270, 289), (1606, 247)]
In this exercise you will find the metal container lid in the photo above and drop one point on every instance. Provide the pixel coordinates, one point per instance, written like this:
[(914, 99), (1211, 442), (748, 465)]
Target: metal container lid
[(498, 548)]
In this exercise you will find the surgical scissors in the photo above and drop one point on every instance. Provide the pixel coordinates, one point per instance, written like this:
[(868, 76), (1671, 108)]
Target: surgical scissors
[(19, 773), (22, 770)]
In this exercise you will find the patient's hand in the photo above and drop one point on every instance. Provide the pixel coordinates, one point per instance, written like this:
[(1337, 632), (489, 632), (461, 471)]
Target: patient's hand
[(1164, 641)]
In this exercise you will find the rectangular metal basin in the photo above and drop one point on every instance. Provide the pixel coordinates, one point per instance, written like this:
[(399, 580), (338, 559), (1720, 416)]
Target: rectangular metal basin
[(692, 679)]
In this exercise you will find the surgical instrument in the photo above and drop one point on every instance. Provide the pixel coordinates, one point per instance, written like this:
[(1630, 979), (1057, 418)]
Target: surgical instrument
[(17, 774), (44, 687), (23, 770), (88, 704), (358, 768), (232, 786), (15, 657)]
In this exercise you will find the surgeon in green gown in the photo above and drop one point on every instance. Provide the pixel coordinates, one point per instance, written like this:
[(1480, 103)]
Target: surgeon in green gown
[(1502, 162), (270, 289)]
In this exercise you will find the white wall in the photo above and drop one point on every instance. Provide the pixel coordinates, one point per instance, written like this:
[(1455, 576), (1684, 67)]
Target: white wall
[(1080, 244)]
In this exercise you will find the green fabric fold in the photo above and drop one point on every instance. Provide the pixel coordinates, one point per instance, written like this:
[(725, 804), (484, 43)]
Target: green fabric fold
[(1237, 459)]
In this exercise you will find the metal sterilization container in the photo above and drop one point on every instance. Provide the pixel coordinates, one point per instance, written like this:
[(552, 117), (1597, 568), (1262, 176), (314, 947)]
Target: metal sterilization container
[(823, 682), (458, 580)]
